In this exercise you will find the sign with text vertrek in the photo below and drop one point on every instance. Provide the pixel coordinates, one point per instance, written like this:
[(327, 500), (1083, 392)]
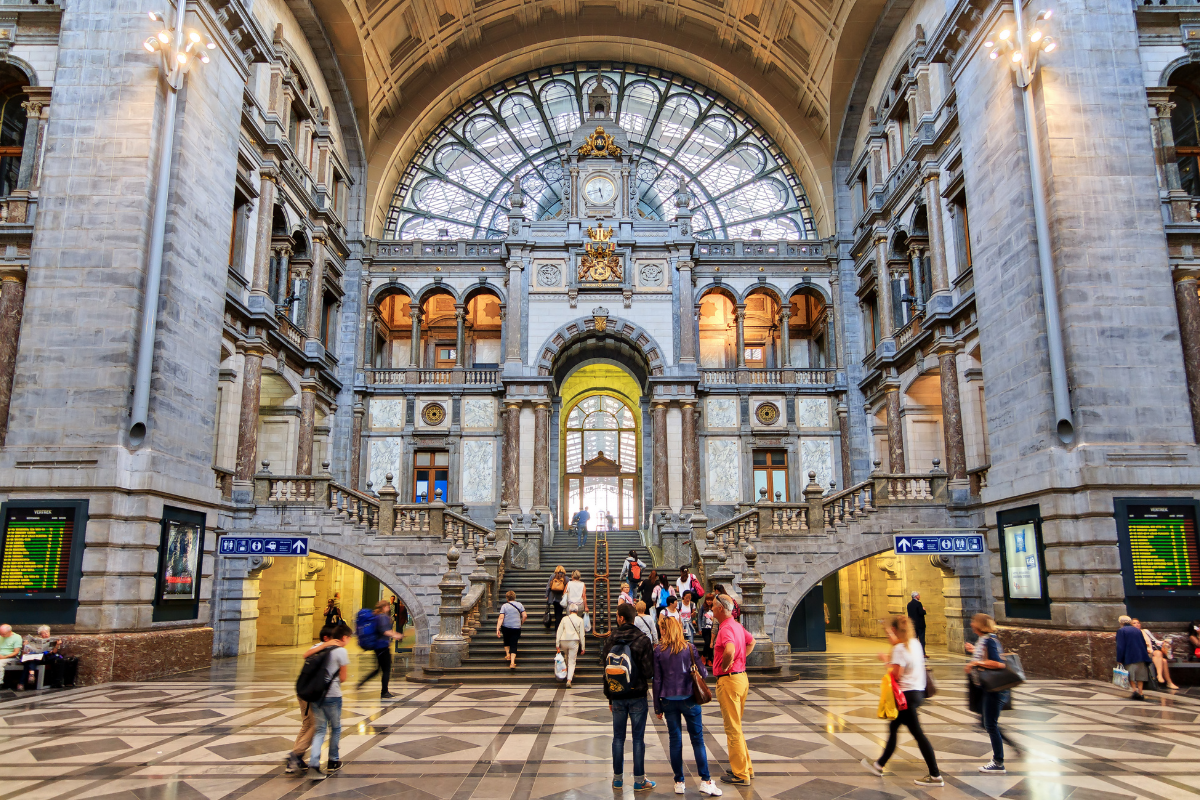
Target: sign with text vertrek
[(263, 546), (946, 544)]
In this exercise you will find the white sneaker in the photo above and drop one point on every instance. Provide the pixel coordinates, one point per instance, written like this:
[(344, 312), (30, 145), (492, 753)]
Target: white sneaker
[(680, 787), (874, 767), (710, 788)]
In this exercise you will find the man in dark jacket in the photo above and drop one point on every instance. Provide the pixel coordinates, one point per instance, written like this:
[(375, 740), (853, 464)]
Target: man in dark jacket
[(1134, 655), (916, 612), (625, 686)]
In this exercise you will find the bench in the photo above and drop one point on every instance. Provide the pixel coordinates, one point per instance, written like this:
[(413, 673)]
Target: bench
[(19, 667)]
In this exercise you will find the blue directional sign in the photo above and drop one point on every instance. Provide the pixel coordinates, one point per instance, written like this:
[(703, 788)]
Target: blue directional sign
[(263, 546), (962, 544)]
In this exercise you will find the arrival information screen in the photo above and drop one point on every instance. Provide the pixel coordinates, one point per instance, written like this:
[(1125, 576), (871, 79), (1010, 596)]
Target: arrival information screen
[(36, 552), (1162, 541)]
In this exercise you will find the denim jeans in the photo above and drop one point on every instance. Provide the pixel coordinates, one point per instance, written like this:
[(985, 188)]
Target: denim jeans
[(635, 710), (677, 712), (990, 718), (328, 713), (581, 535)]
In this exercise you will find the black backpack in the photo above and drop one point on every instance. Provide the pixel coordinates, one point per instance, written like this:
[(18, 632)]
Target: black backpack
[(313, 683), (619, 671)]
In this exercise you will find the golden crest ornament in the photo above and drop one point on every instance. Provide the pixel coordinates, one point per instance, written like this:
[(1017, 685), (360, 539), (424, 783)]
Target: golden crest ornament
[(600, 262), (600, 145)]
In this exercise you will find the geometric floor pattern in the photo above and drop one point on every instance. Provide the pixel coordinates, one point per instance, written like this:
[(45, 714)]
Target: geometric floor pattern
[(206, 738)]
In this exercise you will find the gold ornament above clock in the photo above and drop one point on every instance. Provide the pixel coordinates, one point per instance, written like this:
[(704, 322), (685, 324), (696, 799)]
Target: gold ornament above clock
[(600, 262), (600, 145)]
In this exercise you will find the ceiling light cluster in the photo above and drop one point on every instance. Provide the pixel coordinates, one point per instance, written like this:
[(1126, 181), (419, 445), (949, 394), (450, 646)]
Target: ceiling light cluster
[(179, 51), (1005, 43)]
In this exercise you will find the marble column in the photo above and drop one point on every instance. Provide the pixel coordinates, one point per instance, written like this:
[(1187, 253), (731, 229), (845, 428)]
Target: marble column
[(369, 340), (1164, 140), (541, 457), (688, 332), (883, 291), (261, 276), (356, 427), (460, 337), (316, 291), (414, 350), (952, 427), (33, 122), (785, 337), (918, 286), (1188, 304), (364, 323), (510, 492), (12, 308), (939, 276), (739, 313), (895, 430), (247, 445), (658, 427), (843, 415), (691, 458), (308, 419), (512, 321)]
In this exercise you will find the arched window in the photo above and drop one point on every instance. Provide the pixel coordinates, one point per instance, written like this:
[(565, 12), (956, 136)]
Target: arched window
[(460, 179), (12, 137), (601, 461)]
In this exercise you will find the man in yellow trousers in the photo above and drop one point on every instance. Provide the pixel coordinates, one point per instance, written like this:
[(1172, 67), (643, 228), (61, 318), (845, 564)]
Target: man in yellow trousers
[(732, 645)]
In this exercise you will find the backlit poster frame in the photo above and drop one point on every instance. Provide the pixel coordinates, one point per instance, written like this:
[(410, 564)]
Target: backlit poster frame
[(1023, 526), (1121, 507), (79, 508), (181, 544)]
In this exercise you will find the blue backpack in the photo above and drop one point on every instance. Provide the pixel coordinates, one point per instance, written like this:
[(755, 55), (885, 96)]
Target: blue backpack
[(367, 631)]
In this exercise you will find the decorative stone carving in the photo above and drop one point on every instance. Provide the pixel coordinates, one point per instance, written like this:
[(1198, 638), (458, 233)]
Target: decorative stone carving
[(724, 472), (387, 412), (767, 413), (433, 414), (549, 275), (478, 412), (812, 412), (384, 457), (651, 274), (722, 412), (817, 455), (600, 316), (478, 470)]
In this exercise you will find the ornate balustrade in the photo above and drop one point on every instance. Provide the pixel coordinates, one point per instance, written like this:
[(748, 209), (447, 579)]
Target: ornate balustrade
[(454, 376), (768, 377), (289, 330), (908, 332)]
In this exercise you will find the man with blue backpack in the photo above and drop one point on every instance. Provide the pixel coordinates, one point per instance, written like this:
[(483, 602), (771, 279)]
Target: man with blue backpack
[(628, 671), (374, 629)]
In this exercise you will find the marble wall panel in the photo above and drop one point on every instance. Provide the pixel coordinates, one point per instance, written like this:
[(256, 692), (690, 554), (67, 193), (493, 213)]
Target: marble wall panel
[(478, 470), (724, 471), (812, 412), (387, 412), (722, 412), (384, 455), (817, 455), (478, 412)]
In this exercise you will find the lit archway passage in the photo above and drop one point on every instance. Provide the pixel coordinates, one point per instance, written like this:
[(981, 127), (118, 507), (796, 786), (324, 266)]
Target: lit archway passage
[(457, 185), (601, 461)]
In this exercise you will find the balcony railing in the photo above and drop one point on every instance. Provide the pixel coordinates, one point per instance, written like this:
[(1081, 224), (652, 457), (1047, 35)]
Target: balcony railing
[(433, 377), (767, 377)]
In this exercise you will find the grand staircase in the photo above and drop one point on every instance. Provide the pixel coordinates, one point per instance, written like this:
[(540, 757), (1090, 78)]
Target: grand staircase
[(535, 659)]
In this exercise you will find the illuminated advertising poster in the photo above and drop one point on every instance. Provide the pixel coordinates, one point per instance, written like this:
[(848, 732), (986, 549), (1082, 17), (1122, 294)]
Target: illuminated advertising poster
[(181, 561), (1021, 558), (35, 557)]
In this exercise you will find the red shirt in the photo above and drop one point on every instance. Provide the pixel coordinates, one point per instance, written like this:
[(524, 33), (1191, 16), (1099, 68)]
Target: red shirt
[(731, 631)]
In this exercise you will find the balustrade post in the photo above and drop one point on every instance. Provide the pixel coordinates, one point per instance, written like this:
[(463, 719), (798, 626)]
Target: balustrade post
[(387, 506), (437, 515), (262, 484), (723, 574), (479, 577), (813, 494), (754, 612), (449, 646), (765, 512)]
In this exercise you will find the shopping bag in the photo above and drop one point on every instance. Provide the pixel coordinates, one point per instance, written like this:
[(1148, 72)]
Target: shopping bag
[(901, 700), (587, 622), (1121, 677), (887, 700), (560, 667)]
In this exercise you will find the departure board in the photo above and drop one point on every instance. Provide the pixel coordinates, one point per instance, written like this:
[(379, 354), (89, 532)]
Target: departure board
[(36, 552), (1162, 546)]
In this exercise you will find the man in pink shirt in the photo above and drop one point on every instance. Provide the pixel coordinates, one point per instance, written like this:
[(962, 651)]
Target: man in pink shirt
[(732, 645)]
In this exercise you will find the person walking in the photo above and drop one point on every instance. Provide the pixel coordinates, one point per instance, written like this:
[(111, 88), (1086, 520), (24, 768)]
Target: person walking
[(308, 720), (374, 629), (662, 594), (577, 591), (674, 660), (625, 596), (629, 667), (646, 587), (732, 645), (631, 571), (508, 626), (916, 612), (987, 653), (571, 639), (687, 616), (705, 615), (645, 622), (400, 616), (581, 521), (333, 614), (1133, 654), (328, 712), (907, 668), (556, 587), (687, 582)]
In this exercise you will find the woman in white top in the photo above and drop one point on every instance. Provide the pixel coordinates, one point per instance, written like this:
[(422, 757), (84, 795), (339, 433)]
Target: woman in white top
[(645, 623), (577, 592), (687, 610), (907, 668), (570, 638)]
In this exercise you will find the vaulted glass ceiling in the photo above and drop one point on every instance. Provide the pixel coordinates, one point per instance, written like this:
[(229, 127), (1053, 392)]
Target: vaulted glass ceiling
[(458, 183)]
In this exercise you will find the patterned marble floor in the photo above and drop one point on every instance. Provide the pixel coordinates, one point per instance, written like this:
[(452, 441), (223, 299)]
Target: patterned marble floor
[(221, 735)]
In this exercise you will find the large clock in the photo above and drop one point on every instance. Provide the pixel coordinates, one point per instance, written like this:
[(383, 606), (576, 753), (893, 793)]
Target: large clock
[(599, 191)]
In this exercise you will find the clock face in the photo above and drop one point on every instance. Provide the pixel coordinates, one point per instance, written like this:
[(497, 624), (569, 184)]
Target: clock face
[(599, 191)]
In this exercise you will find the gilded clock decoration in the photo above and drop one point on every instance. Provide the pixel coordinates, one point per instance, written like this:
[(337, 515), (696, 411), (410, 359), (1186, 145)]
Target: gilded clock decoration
[(600, 145), (767, 413), (600, 262), (433, 414)]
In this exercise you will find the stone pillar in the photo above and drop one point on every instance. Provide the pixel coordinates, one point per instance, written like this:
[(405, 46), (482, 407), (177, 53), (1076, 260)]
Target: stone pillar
[(895, 432), (33, 123), (512, 344), (1164, 152), (12, 307), (814, 499), (952, 427), (316, 291), (658, 425), (1188, 305), (414, 352), (369, 340), (843, 415), (360, 411), (307, 601), (261, 276), (691, 456), (739, 312), (308, 419), (754, 612), (918, 288), (449, 647), (460, 339), (235, 631), (939, 276), (883, 291), (510, 476), (248, 414), (541, 458), (785, 337), (387, 506), (688, 330)]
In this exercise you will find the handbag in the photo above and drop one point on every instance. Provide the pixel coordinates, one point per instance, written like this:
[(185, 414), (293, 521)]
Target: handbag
[(701, 694), (546, 623), (1120, 677), (901, 700), (999, 680), (931, 687)]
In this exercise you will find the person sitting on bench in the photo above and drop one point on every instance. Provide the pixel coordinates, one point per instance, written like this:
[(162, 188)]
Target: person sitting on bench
[(43, 645)]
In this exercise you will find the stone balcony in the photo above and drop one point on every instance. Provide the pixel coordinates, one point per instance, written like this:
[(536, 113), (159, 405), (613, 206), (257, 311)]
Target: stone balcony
[(822, 379), (456, 376)]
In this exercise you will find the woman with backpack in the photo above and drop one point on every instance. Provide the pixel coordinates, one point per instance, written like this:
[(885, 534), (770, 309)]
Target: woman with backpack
[(555, 589), (674, 660), (662, 593), (646, 587), (570, 638), (508, 627)]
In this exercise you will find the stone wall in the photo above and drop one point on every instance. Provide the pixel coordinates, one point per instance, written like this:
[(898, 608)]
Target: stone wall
[(138, 656)]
